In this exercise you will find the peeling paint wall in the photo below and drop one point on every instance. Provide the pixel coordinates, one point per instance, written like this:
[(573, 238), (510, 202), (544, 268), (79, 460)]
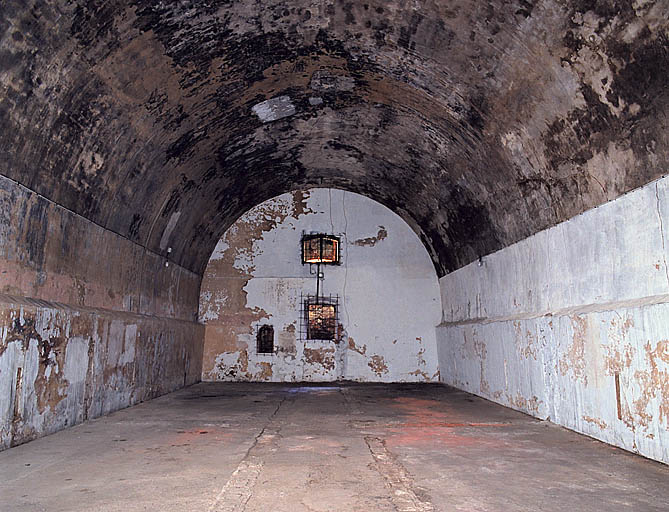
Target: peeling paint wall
[(60, 365), (572, 324), (90, 322), (387, 286)]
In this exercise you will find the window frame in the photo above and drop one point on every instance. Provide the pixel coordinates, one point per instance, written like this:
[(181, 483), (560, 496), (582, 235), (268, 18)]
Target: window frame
[(261, 343), (321, 237), (311, 334)]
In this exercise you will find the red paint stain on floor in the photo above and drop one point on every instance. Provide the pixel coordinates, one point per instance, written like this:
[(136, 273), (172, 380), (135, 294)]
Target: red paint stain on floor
[(425, 422), (200, 435)]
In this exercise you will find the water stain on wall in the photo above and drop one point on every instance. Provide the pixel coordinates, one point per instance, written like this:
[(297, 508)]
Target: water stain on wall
[(66, 365), (378, 365), (372, 240), (352, 346), (574, 358), (654, 383), (323, 357)]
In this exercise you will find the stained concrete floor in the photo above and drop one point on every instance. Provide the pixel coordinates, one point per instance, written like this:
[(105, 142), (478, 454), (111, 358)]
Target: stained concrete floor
[(290, 448)]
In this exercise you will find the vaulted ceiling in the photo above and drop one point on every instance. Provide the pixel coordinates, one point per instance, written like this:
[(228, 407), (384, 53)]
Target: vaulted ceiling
[(479, 122)]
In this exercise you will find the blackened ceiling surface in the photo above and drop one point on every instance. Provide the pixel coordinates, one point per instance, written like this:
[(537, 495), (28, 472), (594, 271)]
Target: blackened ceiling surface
[(479, 122)]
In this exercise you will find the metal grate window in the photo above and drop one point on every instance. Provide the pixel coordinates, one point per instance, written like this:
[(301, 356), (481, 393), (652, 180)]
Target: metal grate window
[(320, 249), (320, 317), (265, 339)]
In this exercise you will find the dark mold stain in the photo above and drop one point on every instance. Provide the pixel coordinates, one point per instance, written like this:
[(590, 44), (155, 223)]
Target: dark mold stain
[(425, 113), (407, 33), (36, 233), (526, 8)]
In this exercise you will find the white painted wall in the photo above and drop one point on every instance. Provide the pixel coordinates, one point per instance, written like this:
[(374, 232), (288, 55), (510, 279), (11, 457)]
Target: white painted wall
[(61, 365), (388, 289), (545, 325)]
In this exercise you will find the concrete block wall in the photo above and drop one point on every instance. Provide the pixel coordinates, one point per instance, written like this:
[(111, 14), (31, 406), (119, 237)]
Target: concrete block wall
[(90, 322), (387, 287), (572, 324)]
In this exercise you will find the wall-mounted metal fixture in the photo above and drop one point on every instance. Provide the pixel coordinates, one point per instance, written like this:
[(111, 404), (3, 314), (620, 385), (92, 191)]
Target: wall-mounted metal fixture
[(320, 249)]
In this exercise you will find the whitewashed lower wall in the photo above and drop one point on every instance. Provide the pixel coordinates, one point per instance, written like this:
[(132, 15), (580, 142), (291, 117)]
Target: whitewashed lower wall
[(62, 364), (547, 326), (387, 287)]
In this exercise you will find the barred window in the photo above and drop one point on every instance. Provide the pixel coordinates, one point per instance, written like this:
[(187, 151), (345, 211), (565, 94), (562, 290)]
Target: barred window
[(320, 319), (320, 248)]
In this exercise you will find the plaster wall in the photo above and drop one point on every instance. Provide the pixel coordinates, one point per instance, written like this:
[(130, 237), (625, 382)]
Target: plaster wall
[(387, 287), (61, 365), (572, 324), (90, 322)]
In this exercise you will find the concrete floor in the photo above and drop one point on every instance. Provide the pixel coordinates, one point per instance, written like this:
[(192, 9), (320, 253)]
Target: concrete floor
[(283, 448)]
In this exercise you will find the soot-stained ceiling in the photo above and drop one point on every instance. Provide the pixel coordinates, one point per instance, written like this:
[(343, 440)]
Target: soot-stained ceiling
[(479, 122)]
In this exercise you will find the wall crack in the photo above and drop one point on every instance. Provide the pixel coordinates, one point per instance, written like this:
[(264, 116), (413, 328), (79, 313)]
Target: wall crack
[(659, 216)]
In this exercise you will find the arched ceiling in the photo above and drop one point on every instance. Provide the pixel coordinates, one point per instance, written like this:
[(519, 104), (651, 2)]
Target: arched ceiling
[(479, 122)]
